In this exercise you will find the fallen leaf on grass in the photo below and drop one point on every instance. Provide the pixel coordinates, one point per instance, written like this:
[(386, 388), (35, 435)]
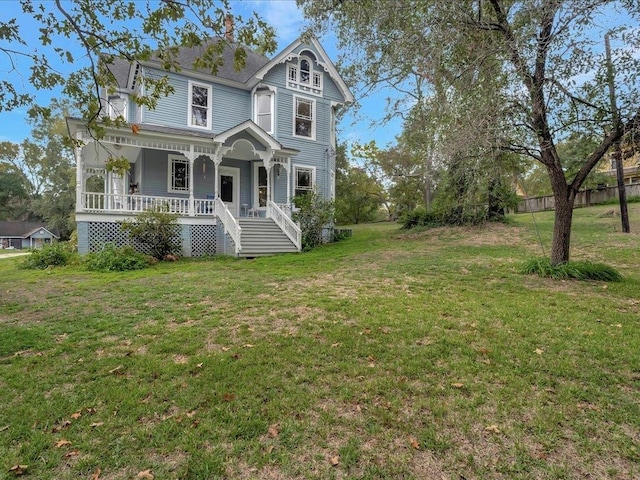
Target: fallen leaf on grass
[(199, 365), (76, 415), (538, 351), (72, 453), (227, 397), (18, 469), (60, 426), (96, 474), (6, 427), (62, 443), (248, 345), (335, 345), (117, 370), (457, 385), (146, 474), (274, 431), (96, 424), (492, 429), (225, 349), (414, 443), (335, 460)]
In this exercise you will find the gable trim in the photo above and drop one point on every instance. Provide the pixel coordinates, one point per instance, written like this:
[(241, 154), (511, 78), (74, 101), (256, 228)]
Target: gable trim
[(327, 65)]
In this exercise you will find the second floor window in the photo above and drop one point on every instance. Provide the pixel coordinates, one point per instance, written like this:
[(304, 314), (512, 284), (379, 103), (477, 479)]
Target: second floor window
[(304, 126), (199, 105), (264, 110)]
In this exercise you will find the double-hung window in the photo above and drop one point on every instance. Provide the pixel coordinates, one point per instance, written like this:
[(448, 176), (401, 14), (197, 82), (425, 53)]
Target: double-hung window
[(305, 180), (304, 125), (264, 110), (199, 105), (178, 174)]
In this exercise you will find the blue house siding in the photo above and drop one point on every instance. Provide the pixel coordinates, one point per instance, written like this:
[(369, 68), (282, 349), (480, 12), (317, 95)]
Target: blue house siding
[(82, 229), (231, 107), (172, 110)]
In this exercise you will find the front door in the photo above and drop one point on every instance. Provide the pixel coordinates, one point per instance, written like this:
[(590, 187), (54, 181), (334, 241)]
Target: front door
[(229, 188)]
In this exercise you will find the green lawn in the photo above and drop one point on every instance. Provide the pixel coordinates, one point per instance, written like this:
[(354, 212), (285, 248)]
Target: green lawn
[(389, 355)]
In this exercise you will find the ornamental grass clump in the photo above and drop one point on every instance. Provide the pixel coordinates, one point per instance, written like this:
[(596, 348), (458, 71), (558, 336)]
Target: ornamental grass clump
[(571, 270)]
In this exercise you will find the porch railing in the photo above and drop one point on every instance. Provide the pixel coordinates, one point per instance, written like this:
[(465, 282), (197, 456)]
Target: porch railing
[(112, 202), (229, 223), (285, 223)]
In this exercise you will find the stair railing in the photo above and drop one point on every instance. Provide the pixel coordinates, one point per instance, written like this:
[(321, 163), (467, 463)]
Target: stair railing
[(285, 223), (229, 223)]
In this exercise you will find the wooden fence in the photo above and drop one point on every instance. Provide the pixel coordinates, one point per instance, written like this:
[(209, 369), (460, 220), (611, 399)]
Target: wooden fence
[(585, 198)]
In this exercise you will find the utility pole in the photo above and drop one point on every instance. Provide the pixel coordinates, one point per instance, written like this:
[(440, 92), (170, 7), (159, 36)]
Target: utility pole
[(622, 193)]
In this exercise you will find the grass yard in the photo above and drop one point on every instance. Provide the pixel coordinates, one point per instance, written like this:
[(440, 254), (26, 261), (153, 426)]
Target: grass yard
[(391, 355)]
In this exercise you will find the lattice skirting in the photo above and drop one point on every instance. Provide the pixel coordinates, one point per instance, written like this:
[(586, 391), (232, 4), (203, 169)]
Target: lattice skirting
[(197, 240), (203, 240)]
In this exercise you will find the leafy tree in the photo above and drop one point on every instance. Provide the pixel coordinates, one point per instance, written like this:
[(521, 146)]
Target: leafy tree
[(14, 198), (553, 72), (44, 167), (357, 194), (136, 31)]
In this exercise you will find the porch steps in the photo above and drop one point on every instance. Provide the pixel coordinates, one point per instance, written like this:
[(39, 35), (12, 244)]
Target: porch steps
[(261, 237)]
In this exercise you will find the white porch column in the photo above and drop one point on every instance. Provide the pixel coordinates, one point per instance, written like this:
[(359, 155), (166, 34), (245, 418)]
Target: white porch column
[(79, 173), (191, 156), (217, 160)]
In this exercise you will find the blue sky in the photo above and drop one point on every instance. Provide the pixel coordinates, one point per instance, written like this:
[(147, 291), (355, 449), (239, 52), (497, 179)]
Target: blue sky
[(281, 14)]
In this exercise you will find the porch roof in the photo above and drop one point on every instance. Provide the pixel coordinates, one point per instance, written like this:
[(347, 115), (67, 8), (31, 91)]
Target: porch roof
[(252, 128)]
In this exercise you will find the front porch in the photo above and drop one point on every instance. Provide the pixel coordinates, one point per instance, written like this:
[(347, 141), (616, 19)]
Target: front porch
[(203, 180)]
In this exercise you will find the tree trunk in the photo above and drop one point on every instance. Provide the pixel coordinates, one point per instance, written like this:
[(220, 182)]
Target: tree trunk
[(562, 229)]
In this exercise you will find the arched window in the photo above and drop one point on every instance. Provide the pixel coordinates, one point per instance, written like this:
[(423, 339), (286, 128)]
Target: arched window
[(301, 75)]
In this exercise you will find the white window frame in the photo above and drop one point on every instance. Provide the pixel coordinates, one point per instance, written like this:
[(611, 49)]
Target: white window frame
[(312, 188), (113, 111), (296, 99), (256, 113), (191, 105), (315, 83), (173, 160), (256, 185)]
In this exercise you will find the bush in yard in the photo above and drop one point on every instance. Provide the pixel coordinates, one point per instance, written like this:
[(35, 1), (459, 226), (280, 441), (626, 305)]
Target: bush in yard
[(571, 270), (156, 229), (113, 259), (53, 255), (314, 213)]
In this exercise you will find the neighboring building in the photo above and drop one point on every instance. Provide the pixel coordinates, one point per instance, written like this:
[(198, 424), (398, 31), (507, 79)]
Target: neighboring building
[(227, 153), (25, 235), (630, 164)]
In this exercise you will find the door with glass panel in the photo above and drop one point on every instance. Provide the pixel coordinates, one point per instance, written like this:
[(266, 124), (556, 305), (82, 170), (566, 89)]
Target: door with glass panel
[(229, 188)]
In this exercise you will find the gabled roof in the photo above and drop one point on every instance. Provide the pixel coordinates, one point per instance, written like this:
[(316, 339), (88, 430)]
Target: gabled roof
[(285, 55), (23, 229), (250, 127)]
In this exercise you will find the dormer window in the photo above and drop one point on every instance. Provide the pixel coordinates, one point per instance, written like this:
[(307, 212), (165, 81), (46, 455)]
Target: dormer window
[(302, 76), (117, 106)]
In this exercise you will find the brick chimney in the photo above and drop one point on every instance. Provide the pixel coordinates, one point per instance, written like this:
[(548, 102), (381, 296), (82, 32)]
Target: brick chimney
[(228, 28)]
